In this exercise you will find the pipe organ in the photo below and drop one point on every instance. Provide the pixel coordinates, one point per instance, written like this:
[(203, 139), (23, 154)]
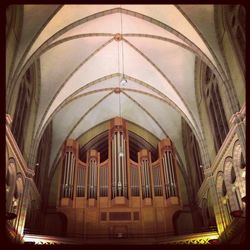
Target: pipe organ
[(142, 195)]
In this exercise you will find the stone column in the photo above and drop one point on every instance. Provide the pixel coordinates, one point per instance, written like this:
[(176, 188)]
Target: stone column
[(215, 199), (239, 120)]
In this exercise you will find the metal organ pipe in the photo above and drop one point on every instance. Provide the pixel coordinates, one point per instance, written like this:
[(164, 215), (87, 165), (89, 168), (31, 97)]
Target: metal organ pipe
[(119, 166), (122, 165), (95, 179), (64, 175), (89, 179), (72, 174), (67, 175), (143, 180), (172, 171), (169, 176), (115, 165), (80, 182), (157, 182), (146, 178), (166, 175), (92, 187), (146, 183)]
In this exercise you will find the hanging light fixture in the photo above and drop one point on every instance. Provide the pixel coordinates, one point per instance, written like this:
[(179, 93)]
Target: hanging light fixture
[(123, 80)]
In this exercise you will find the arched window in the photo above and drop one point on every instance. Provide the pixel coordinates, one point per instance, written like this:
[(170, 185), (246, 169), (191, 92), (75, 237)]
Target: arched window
[(236, 20), (215, 108), (193, 156), (22, 110), (42, 158)]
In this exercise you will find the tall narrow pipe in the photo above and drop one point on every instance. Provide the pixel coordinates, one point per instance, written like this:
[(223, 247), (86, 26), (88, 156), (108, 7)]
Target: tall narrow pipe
[(72, 175), (112, 166), (115, 166), (79, 180), (82, 181), (89, 180), (92, 179), (95, 178), (168, 168), (122, 165), (166, 176), (173, 176), (169, 173), (146, 176), (119, 164), (68, 174), (125, 167), (64, 175), (143, 180), (172, 172)]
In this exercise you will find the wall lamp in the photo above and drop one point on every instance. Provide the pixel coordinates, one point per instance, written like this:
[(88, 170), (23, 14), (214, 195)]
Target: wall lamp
[(237, 214)]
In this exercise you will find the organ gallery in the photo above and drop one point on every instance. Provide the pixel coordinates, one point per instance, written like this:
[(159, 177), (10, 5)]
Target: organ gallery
[(119, 196)]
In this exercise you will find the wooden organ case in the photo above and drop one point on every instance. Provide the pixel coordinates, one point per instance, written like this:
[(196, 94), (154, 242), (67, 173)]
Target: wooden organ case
[(118, 197)]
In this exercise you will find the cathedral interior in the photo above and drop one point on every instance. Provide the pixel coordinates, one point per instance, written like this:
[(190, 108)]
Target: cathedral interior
[(125, 124)]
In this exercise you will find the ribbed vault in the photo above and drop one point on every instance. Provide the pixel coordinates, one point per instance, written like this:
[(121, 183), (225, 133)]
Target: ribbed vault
[(81, 65)]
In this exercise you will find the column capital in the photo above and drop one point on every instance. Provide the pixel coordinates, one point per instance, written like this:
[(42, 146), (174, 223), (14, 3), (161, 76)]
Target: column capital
[(239, 116), (207, 171)]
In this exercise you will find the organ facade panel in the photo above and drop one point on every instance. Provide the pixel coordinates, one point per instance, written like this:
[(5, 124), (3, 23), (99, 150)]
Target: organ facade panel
[(119, 196)]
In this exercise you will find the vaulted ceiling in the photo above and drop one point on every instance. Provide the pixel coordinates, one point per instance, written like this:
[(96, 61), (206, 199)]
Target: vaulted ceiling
[(81, 64)]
